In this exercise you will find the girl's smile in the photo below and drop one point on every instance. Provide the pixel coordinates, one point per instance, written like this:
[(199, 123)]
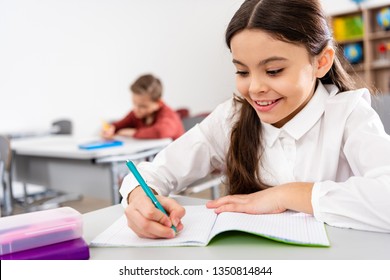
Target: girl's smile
[(266, 105), (277, 78)]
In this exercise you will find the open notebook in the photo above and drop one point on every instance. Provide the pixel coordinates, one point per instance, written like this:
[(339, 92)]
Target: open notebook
[(202, 224)]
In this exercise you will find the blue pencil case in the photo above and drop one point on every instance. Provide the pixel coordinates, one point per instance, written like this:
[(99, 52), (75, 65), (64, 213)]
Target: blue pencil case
[(100, 144)]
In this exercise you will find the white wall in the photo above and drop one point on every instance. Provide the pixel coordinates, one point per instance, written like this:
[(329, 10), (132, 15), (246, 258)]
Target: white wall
[(76, 58)]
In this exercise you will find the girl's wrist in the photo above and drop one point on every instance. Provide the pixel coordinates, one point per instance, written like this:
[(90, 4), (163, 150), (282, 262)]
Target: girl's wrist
[(135, 190), (296, 196)]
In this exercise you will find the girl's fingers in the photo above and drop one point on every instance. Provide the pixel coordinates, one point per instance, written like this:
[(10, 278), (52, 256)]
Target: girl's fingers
[(148, 221), (150, 212), (149, 228), (175, 211), (231, 207), (136, 225), (226, 200), (179, 227)]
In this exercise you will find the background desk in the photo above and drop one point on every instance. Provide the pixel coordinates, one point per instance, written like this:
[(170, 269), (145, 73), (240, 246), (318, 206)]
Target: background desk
[(345, 243), (58, 163)]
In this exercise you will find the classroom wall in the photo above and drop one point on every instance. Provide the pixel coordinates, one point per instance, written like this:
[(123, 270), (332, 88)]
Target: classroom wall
[(76, 58)]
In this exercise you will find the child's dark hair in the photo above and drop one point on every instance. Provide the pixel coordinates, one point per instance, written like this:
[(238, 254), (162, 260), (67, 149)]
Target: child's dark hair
[(148, 84), (300, 22)]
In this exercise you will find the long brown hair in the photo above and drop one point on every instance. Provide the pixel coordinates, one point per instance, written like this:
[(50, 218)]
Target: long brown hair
[(300, 22)]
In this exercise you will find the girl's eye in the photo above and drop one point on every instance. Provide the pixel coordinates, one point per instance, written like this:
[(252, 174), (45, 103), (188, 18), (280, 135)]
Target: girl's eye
[(274, 72), (242, 73)]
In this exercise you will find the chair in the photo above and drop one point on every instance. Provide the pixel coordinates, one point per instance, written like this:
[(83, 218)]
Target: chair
[(2, 188), (183, 113), (54, 199), (11, 190), (62, 127), (211, 181), (119, 169), (381, 104), (5, 176), (35, 200), (189, 122)]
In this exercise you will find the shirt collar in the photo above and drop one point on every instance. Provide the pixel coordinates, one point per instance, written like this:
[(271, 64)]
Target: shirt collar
[(305, 119)]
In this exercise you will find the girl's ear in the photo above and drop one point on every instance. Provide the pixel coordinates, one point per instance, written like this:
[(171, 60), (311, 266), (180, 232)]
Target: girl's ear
[(324, 61)]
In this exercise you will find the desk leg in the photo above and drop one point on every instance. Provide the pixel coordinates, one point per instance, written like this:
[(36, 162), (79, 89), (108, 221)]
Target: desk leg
[(7, 196), (215, 192), (115, 198)]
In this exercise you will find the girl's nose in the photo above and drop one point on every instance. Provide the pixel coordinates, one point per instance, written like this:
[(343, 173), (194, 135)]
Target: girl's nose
[(258, 85)]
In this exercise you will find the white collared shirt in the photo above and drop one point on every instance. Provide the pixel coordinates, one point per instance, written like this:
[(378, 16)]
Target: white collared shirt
[(336, 141)]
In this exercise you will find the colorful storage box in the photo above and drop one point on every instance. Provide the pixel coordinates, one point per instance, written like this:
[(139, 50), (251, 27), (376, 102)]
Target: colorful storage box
[(76, 249)]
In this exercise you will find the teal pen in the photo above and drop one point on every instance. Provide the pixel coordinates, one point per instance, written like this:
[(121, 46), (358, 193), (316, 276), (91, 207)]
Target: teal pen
[(146, 189)]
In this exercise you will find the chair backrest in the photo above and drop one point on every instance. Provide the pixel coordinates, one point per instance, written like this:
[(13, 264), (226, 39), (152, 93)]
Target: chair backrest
[(190, 122), (5, 152), (61, 127), (381, 104), (5, 176), (1, 173), (183, 112)]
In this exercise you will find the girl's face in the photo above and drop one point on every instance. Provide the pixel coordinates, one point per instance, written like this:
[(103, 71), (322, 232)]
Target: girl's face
[(276, 78)]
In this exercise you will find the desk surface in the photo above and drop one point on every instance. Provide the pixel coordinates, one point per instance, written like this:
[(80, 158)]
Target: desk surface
[(345, 243), (67, 147)]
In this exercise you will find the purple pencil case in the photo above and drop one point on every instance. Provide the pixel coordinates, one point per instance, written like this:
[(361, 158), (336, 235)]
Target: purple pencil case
[(76, 249), (36, 229)]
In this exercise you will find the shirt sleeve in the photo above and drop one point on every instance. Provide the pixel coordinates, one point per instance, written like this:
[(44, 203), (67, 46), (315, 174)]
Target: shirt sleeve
[(193, 156), (362, 201), (127, 122), (167, 125)]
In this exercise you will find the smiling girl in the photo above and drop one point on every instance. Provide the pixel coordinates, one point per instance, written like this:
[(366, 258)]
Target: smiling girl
[(298, 136)]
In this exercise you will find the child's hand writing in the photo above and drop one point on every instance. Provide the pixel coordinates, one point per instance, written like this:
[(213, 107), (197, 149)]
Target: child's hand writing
[(108, 131), (149, 222)]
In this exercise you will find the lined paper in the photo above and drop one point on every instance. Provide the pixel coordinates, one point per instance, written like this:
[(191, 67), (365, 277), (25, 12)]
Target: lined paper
[(288, 226), (197, 222), (202, 224)]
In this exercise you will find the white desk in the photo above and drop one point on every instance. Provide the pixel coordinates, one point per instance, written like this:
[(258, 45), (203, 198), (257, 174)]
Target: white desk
[(60, 146), (57, 162), (345, 244)]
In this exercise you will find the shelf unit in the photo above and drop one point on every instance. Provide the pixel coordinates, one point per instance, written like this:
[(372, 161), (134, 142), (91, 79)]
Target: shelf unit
[(374, 69)]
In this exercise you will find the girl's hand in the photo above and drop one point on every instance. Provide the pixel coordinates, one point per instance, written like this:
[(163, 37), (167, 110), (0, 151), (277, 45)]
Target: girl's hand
[(262, 202), (293, 196), (149, 222)]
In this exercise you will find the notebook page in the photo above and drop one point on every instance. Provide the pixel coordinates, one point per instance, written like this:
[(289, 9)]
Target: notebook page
[(197, 222), (289, 226)]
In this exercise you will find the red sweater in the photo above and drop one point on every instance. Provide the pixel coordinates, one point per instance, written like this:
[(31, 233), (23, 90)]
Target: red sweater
[(166, 124)]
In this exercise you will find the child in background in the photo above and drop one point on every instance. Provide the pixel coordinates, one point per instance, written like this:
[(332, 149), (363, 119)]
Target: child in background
[(299, 136), (150, 118)]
